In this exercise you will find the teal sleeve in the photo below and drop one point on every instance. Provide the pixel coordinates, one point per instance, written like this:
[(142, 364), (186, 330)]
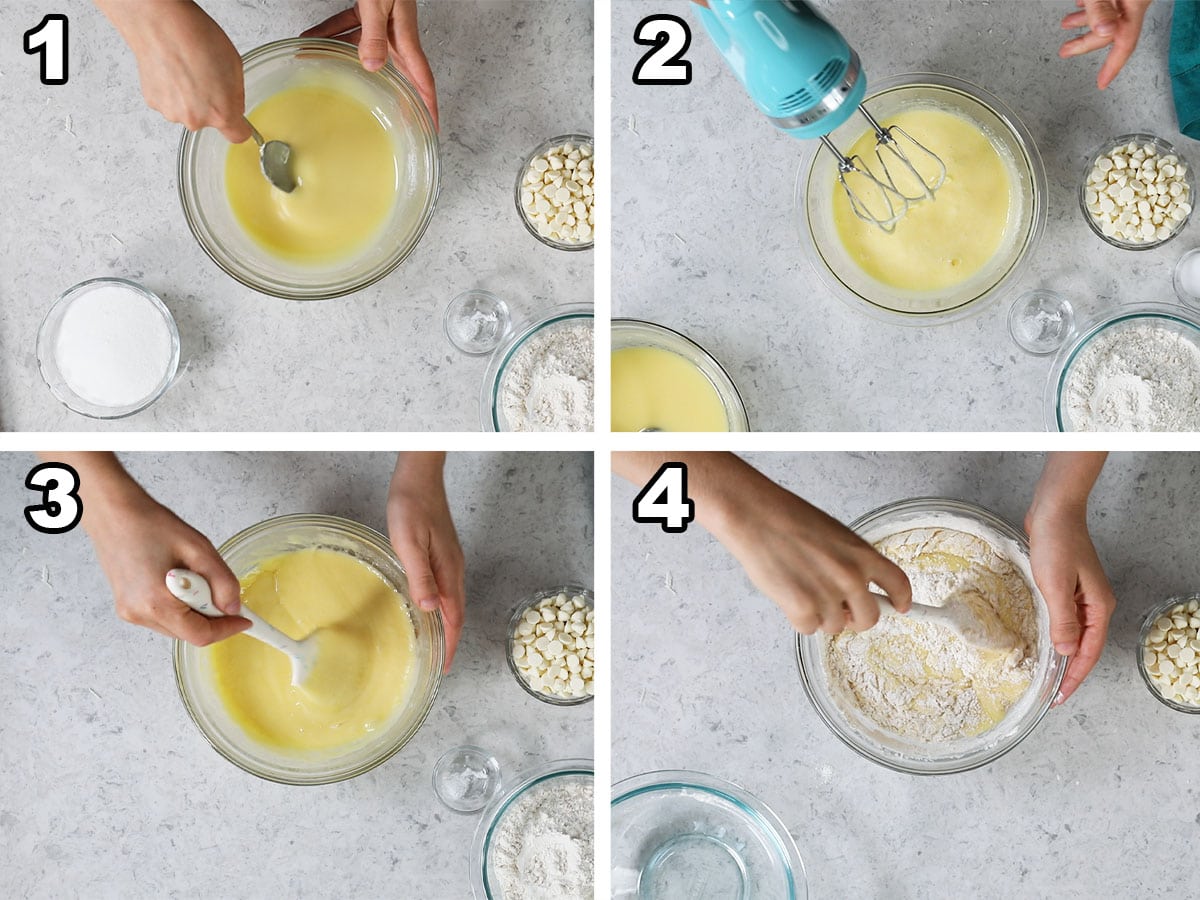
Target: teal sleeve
[(1185, 65)]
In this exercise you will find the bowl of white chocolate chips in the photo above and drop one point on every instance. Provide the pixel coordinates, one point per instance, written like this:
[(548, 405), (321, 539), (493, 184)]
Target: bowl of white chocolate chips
[(1169, 653), (552, 645), (1136, 192), (554, 192)]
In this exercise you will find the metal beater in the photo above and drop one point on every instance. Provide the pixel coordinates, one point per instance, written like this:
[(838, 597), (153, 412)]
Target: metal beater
[(801, 72)]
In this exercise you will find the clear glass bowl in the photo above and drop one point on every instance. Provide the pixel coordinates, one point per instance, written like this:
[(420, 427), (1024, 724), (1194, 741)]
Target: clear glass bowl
[(637, 333), (894, 751), (244, 552), (47, 356), (268, 70), (1175, 318), (534, 154), (489, 401), (1143, 635), (484, 885), (1163, 149), (688, 836), (515, 619), (817, 179)]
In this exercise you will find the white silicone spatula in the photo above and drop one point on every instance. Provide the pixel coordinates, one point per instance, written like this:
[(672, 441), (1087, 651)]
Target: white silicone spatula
[(193, 590), (980, 627)]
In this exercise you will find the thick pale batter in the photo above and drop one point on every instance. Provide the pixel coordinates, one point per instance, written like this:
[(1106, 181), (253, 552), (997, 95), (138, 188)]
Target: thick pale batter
[(939, 243), (345, 162), (366, 666), (921, 680), (655, 388)]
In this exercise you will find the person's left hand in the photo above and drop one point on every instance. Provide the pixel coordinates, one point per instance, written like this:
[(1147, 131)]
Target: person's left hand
[(424, 538), (1109, 22), (380, 28), (1071, 578)]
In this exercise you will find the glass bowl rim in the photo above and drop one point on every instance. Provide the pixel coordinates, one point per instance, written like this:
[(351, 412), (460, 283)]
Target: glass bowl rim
[(577, 137)]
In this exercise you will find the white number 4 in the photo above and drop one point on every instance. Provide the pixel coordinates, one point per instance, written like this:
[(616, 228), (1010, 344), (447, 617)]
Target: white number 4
[(49, 38), (664, 500)]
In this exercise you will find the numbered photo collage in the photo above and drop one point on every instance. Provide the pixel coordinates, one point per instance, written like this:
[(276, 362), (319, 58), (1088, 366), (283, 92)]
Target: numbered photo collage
[(295, 610)]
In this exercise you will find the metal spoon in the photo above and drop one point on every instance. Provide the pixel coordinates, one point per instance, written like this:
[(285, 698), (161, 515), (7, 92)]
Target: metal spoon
[(275, 158)]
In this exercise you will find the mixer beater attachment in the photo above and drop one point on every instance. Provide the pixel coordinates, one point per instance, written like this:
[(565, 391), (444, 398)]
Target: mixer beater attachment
[(886, 142), (886, 205)]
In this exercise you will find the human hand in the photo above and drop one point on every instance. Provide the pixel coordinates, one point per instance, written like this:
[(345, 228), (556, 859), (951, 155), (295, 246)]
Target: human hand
[(380, 28), (1109, 22), (189, 69), (424, 538)]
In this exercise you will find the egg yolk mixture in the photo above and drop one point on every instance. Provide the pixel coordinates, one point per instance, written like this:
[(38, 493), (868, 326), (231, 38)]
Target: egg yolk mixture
[(654, 388), (939, 243), (367, 653), (344, 161)]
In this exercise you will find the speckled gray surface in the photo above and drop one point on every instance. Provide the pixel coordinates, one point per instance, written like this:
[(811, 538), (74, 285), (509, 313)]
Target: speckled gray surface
[(705, 233), (109, 790), (90, 191), (1103, 780)]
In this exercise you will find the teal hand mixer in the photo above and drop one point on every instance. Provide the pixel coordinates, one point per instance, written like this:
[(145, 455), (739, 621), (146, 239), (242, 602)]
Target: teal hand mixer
[(803, 75)]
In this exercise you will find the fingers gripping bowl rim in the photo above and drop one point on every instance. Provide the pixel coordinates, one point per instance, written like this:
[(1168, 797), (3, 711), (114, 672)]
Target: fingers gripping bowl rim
[(193, 672), (904, 755), (395, 103)]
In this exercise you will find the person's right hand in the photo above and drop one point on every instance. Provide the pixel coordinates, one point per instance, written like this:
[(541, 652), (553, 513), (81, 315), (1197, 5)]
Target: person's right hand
[(137, 542), (189, 69), (1109, 22)]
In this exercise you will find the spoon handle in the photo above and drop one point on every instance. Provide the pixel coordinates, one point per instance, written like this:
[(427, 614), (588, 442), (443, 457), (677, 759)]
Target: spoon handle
[(194, 590), (258, 138)]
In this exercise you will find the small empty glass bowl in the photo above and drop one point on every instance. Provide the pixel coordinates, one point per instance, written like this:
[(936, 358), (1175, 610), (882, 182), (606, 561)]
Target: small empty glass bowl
[(70, 356), (476, 321), (1040, 321), (1143, 642), (539, 150), (514, 622), (466, 778), (689, 836), (1162, 148)]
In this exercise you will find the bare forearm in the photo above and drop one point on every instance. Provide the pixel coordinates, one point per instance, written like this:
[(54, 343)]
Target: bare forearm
[(417, 469), (104, 485), (1067, 481)]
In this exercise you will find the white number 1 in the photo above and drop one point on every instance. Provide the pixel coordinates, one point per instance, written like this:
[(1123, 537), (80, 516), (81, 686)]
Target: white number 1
[(49, 39)]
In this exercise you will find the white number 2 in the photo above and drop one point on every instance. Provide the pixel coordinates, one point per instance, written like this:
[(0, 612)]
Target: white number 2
[(49, 39), (670, 37)]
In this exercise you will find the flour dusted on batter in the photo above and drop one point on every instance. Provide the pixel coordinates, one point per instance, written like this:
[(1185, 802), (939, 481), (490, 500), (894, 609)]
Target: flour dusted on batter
[(1138, 377), (544, 845), (548, 383), (919, 679)]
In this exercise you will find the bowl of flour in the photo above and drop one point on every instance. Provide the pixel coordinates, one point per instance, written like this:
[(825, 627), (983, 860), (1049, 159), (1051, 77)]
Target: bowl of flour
[(914, 696), (542, 378), (536, 841), (1133, 370)]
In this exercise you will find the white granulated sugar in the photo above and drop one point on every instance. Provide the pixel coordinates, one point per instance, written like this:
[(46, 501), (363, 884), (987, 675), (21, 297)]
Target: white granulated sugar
[(548, 384), (1141, 377), (543, 849), (919, 679), (113, 347)]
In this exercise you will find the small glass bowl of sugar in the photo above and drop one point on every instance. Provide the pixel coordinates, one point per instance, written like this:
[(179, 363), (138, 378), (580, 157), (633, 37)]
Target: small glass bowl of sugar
[(108, 348)]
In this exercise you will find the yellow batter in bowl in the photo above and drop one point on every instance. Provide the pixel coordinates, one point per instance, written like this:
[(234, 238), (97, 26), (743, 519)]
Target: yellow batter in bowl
[(655, 388), (345, 162), (366, 668), (943, 242)]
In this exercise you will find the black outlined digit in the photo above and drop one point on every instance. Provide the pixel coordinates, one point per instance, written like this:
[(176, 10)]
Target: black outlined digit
[(48, 39), (664, 500), (670, 37), (61, 507)]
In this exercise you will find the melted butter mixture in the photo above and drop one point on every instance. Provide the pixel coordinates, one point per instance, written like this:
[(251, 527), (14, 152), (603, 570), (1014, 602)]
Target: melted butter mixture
[(345, 163), (921, 680), (939, 243), (365, 669), (655, 388)]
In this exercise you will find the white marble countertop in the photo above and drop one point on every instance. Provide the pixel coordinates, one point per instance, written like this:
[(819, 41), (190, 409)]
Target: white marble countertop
[(109, 789), (1098, 802), (89, 190), (707, 242)]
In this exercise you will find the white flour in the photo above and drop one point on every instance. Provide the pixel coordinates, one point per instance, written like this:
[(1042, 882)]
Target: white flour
[(1140, 377), (920, 680), (543, 849), (548, 383)]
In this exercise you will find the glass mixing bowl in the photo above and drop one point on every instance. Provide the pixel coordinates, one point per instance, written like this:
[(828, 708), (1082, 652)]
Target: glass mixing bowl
[(557, 317), (903, 754), (571, 590), (1163, 149), (817, 180), (689, 836), (244, 552), (394, 102), (636, 333), (1174, 318), (1144, 639), (541, 148), (484, 883)]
